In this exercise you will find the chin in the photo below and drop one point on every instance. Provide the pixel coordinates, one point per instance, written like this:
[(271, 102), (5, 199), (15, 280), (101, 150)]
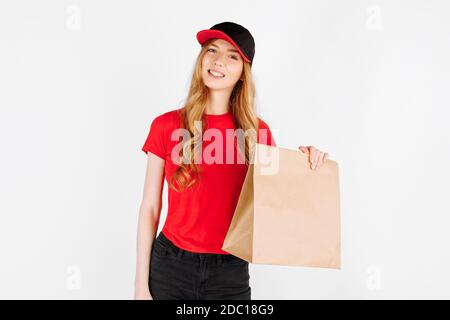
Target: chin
[(214, 85)]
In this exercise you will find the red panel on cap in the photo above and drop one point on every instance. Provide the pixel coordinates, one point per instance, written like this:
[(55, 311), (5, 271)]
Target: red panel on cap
[(204, 35)]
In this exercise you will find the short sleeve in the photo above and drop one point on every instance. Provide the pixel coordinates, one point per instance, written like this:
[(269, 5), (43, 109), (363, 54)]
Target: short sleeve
[(156, 138), (265, 135)]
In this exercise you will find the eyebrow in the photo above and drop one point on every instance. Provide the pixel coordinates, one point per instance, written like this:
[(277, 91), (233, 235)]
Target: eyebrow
[(232, 50)]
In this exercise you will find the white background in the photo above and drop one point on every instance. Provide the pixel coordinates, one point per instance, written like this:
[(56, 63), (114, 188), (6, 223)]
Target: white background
[(80, 82)]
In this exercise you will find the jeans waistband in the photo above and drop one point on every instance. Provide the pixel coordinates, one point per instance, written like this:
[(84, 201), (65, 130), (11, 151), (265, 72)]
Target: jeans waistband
[(184, 254)]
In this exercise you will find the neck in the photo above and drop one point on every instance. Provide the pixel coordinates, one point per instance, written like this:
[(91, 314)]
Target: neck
[(218, 102)]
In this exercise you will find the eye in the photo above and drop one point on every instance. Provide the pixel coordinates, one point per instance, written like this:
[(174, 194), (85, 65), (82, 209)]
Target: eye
[(234, 57), (211, 49)]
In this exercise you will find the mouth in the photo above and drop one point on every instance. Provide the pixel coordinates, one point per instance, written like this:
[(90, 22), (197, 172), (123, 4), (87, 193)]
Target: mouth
[(215, 74)]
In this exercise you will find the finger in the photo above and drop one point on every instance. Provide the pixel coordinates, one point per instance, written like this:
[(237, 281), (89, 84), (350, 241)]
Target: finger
[(320, 161), (304, 149), (316, 159), (312, 156)]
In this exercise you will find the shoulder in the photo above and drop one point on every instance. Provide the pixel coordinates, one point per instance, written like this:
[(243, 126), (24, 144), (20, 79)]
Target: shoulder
[(167, 121), (264, 133), (262, 124)]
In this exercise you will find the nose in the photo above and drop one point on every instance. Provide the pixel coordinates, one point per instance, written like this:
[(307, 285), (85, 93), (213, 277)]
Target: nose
[(218, 61)]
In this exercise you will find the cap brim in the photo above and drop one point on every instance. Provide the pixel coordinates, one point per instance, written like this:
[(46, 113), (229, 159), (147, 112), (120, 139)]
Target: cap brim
[(205, 35)]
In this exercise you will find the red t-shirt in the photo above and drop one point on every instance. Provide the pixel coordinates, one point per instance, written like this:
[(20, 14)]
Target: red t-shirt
[(198, 218)]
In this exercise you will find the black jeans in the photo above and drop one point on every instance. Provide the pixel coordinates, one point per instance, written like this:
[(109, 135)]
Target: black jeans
[(177, 274)]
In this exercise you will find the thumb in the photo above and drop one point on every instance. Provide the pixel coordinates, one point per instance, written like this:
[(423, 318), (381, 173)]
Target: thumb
[(304, 149)]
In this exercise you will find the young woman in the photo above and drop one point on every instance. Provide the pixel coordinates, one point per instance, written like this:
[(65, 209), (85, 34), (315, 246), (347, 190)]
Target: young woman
[(191, 147)]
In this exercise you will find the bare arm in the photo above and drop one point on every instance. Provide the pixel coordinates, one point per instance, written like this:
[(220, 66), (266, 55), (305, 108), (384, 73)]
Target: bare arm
[(149, 214)]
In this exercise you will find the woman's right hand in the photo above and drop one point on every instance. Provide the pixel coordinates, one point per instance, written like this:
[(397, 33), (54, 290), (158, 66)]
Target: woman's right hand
[(142, 294)]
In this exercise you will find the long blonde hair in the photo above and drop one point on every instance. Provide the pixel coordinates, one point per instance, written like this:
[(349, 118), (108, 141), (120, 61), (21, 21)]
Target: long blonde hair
[(241, 107)]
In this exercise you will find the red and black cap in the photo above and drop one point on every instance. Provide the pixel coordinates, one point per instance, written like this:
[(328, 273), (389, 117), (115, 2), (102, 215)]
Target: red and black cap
[(234, 33)]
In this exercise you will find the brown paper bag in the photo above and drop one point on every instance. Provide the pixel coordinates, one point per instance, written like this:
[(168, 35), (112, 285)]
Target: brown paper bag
[(287, 213)]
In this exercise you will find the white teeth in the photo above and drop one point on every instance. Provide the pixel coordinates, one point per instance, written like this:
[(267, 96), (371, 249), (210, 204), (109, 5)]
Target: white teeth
[(216, 74)]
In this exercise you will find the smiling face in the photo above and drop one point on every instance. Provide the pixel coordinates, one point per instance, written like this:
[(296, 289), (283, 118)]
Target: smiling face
[(222, 65)]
